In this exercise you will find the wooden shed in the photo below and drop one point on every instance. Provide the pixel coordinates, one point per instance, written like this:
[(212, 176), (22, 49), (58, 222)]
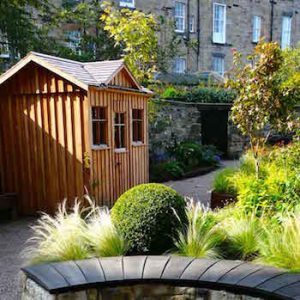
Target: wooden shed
[(66, 125)]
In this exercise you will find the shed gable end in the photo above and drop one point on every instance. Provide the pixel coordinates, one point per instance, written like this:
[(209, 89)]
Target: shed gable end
[(124, 79)]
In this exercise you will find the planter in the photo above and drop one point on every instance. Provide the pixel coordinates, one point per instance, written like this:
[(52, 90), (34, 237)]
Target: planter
[(219, 200)]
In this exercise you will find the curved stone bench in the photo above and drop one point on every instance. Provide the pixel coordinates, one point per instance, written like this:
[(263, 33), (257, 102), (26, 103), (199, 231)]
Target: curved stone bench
[(232, 276)]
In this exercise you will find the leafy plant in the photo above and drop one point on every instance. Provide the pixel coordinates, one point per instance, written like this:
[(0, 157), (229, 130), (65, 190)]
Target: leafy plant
[(102, 236), (201, 237), (135, 32), (279, 246), (264, 102), (59, 238), (224, 183), (145, 217), (242, 235)]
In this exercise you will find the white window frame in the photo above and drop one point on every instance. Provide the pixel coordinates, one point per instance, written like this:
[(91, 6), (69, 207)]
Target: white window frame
[(286, 32), (256, 28), (130, 4), (73, 40), (192, 24), (180, 64), (219, 38), (221, 59), (180, 17)]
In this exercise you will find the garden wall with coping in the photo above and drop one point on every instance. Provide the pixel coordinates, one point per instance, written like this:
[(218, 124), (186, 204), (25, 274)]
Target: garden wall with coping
[(158, 277), (179, 121)]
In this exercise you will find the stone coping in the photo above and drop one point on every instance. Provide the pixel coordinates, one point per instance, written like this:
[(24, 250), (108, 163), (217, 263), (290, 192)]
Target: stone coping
[(233, 276)]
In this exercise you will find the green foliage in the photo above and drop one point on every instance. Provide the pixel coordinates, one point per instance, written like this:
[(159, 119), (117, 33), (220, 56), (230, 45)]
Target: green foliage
[(18, 26), (59, 238), (191, 154), (243, 235), (277, 188), (145, 215), (224, 183), (201, 237), (75, 234), (95, 43), (102, 236), (183, 158), (135, 32), (166, 171), (279, 244), (266, 96), (199, 94)]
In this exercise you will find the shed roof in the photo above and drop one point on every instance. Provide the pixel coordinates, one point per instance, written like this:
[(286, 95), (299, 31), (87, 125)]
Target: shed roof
[(81, 74)]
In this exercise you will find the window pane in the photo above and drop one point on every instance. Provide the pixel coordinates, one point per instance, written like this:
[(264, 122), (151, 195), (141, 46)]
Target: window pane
[(286, 32), (218, 65), (219, 23), (119, 128), (137, 125), (99, 126), (180, 14), (256, 29)]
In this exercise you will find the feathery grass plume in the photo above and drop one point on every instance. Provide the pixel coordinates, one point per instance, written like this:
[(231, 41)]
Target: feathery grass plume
[(59, 238), (103, 237), (201, 236), (280, 244), (243, 234)]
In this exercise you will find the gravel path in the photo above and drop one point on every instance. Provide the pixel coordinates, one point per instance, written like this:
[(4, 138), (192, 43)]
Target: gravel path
[(199, 187), (13, 235)]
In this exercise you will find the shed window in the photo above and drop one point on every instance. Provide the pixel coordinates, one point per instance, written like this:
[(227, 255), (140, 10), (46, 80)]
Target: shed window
[(99, 120), (119, 130), (137, 126)]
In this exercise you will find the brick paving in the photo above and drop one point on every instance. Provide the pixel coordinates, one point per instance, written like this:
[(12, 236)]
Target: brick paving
[(13, 235)]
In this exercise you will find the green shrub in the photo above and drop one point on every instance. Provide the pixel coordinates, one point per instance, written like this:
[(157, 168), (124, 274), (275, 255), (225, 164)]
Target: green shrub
[(279, 245), (201, 237), (191, 154), (199, 94), (166, 171), (145, 215), (224, 183)]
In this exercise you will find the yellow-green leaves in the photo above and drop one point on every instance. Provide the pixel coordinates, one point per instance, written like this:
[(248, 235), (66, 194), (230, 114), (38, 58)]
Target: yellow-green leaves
[(135, 32)]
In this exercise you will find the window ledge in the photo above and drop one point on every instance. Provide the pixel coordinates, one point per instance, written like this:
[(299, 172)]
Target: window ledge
[(100, 147), (120, 150), (137, 144)]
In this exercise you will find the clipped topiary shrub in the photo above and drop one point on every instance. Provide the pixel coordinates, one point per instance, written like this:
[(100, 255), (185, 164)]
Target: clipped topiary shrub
[(145, 215)]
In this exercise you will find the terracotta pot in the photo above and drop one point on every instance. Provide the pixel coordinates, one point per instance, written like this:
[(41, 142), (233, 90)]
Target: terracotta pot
[(219, 200)]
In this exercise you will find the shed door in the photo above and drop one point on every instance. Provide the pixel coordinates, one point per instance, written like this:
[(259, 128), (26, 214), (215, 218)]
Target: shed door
[(214, 129), (121, 180)]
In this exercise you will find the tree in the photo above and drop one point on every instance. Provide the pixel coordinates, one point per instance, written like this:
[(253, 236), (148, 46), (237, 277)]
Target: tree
[(95, 43), (135, 33), (266, 96), (18, 25)]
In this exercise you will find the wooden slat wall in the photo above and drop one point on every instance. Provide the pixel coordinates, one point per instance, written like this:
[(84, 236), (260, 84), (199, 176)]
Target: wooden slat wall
[(116, 172), (43, 139)]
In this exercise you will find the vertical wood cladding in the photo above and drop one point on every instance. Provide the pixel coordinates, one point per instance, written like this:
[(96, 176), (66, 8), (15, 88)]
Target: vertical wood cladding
[(45, 141)]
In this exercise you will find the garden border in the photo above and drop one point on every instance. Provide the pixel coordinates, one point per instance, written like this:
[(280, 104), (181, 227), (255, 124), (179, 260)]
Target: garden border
[(233, 276)]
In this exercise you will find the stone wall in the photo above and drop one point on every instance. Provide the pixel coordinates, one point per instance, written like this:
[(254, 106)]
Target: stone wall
[(32, 291), (179, 121), (173, 122)]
